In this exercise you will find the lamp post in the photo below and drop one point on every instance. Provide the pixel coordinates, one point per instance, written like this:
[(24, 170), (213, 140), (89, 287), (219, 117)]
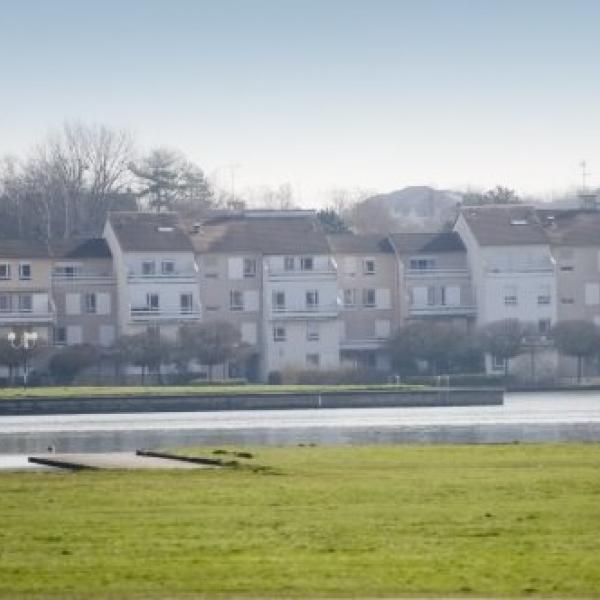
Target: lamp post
[(26, 343)]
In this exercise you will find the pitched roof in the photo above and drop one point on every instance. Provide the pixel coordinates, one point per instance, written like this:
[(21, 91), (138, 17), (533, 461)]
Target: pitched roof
[(149, 232), (576, 227), (81, 248), (427, 243), (23, 248), (504, 225), (261, 233), (350, 243)]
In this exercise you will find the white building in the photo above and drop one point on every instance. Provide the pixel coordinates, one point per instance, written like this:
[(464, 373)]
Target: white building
[(156, 275), (512, 267)]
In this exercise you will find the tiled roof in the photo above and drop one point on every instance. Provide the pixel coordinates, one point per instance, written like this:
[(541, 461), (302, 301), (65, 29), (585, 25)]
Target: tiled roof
[(349, 243), (506, 225), (23, 248), (260, 234), (81, 248), (427, 243), (149, 232), (571, 227)]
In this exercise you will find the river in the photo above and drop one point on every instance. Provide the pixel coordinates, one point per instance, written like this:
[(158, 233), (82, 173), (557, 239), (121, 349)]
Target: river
[(524, 417)]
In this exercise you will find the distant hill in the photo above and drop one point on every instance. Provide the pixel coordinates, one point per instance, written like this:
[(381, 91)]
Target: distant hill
[(412, 208)]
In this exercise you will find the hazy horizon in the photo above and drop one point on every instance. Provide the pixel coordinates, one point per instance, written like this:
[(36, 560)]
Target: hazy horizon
[(321, 95)]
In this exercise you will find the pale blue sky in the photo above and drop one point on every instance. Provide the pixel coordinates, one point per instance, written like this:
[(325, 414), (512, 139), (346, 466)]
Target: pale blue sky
[(376, 94)]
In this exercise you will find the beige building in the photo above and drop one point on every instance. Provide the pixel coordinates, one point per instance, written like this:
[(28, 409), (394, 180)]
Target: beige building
[(368, 287), (84, 293), (435, 281), (25, 289)]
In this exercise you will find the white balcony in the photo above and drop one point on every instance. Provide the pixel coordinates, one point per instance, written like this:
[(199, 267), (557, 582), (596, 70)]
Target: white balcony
[(371, 343), (437, 310), (328, 271), (175, 277), (82, 277), (26, 316), (323, 311), (436, 273), (151, 314)]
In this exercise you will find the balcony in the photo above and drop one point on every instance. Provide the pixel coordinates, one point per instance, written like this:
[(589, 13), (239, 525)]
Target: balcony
[(438, 310), (280, 274), (436, 273), (322, 311), (370, 343), (174, 277), (66, 277), (147, 314), (17, 317)]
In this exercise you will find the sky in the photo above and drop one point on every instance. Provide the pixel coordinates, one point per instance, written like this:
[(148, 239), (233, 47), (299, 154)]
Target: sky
[(320, 94)]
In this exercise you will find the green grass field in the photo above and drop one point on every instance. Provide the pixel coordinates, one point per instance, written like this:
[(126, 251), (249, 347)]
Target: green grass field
[(481, 521), (183, 390)]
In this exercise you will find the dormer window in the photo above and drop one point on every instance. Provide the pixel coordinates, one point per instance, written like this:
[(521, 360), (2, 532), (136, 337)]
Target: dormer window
[(168, 267), (148, 268), (306, 263), (422, 264)]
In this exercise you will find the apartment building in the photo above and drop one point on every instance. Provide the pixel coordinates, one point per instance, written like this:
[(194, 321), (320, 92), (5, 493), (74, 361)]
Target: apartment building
[(156, 274), (272, 273), (84, 293), (25, 288), (512, 267), (368, 286), (435, 281)]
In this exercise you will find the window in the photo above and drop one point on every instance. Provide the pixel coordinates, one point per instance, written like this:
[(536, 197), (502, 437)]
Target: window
[(89, 303), (24, 271), (152, 302), (431, 296), (306, 263), (186, 303), (279, 333), (289, 264), (5, 303), (312, 331), (68, 271), (349, 298), (4, 271), (567, 268), (312, 300), (167, 267), (369, 266), (60, 336), (249, 267), (25, 302), (369, 298), (313, 360), (422, 264), (544, 295), (544, 326), (443, 296), (498, 363), (543, 299), (567, 301), (278, 301), (510, 295), (236, 300), (148, 267)]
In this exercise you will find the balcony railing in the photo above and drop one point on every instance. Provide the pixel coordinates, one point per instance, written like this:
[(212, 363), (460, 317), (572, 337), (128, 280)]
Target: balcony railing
[(315, 310), (176, 276), (26, 316), (368, 343), (143, 313), (438, 310), (431, 273), (330, 270), (83, 277)]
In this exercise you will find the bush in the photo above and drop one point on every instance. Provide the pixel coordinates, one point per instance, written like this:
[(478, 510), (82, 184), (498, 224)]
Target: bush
[(336, 377), (69, 361), (274, 378)]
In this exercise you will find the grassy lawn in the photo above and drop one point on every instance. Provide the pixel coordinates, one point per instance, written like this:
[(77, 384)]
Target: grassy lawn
[(501, 521), (183, 390)]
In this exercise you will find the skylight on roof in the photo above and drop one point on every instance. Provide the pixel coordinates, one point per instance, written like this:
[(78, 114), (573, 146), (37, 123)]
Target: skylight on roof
[(519, 222)]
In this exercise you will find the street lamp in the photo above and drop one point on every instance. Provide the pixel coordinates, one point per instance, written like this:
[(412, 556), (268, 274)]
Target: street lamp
[(26, 343)]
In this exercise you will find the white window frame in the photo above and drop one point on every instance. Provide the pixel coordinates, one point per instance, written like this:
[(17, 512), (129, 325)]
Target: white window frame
[(278, 306), (167, 267), (312, 331), (148, 268), (60, 340), (312, 299), (25, 299), (369, 267), (349, 298), (236, 300), (279, 333), (289, 263), (367, 293), (249, 268), (150, 305), (22, 268), (6, 268), (307, 263), (188, 306), (7, 304), (90, 303)]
